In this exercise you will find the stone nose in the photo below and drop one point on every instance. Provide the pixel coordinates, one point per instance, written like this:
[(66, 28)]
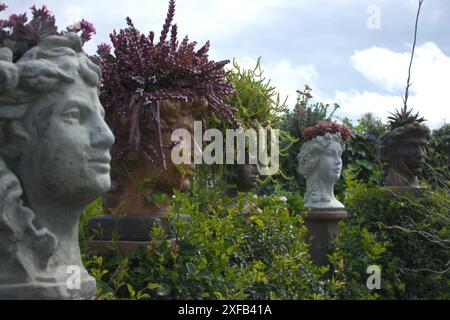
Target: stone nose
[(101, 135)]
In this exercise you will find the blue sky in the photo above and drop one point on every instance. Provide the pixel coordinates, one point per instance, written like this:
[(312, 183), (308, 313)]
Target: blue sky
[(324, 43)]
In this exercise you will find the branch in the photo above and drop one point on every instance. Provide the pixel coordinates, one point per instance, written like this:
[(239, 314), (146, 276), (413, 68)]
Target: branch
[(408, 84)]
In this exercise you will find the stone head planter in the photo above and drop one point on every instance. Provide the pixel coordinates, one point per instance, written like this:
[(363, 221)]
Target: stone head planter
[(54, 160), (402, 154), (247, 177), (320, 162), (137, 181), (245, 181)]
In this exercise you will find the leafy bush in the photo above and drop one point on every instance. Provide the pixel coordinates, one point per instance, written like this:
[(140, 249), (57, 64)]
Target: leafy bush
[(226, 251), (361, 156), (437, 170), (408, 238)]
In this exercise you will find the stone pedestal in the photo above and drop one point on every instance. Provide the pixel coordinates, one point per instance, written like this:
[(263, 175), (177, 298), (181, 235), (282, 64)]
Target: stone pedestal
[(133, 231), (323, 225)]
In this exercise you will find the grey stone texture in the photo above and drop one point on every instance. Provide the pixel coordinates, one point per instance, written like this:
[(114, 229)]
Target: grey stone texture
[(54, 160)]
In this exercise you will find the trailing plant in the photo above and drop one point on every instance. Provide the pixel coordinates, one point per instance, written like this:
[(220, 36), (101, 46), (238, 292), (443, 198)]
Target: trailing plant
[(20, 35), (141, 71)]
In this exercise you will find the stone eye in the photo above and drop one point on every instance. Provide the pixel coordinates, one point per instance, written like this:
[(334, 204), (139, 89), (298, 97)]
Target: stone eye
[(72, 115)]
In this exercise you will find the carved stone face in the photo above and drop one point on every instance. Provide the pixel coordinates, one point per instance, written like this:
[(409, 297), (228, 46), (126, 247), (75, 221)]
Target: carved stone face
[(247, 176), (67, 156), (403, 152), (320, 162), (178, 115), (330, 163), (410, 157)]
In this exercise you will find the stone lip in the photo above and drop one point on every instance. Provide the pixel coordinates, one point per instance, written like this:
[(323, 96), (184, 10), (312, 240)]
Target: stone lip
[(324, 214), (135, 227)]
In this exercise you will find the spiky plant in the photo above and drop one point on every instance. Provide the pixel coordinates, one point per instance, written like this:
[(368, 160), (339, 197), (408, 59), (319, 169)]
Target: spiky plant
[(403, 117), (141, 72), (19, 35)]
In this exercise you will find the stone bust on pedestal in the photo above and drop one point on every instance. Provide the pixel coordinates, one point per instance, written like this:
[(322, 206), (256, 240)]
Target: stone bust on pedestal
[(320, 162), (54, 160)]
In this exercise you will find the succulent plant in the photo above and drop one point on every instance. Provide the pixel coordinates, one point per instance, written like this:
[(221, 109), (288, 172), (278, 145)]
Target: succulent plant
[(139, 73), (19, 35), (325, 127), (403, 117)]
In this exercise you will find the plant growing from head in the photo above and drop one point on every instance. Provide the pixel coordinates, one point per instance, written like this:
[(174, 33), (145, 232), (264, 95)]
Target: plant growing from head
[(20, 35), (141, 72)]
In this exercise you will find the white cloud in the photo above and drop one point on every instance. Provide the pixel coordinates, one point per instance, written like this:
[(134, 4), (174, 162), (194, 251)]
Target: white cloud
[(285, 77), (387, 69)]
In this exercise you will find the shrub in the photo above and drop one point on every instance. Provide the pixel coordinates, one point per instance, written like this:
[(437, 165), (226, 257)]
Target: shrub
[(226, 251), (407, 237)]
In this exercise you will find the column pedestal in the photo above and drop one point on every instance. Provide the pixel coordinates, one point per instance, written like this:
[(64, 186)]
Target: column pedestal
[(323, 225)]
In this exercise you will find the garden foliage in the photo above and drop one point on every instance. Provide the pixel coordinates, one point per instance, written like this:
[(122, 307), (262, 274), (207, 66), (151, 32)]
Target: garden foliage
[(407, 237), (140, 72), (20, 35), (224, 252)]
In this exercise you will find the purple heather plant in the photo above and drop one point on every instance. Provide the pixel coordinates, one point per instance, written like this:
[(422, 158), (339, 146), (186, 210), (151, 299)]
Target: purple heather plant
[(141, 73), (20, 35)]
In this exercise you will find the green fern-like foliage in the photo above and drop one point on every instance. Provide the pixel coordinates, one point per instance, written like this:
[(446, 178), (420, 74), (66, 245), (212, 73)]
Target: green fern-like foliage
[(403, 117)]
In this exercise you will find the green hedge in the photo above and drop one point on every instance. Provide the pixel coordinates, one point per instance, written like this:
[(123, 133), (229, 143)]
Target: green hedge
[(408, 238)]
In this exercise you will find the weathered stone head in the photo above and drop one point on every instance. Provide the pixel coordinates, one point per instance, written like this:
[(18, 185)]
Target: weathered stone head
[(135, 180), (54, 160), (247, 176), (320, 162), (402, 154)]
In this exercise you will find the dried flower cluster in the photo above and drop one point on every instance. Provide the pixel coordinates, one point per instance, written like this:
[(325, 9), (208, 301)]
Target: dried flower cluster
[(20, 35), (141, 72), (327, 127)]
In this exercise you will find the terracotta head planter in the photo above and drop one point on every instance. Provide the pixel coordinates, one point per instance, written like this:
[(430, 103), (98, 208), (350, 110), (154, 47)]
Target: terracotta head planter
[(137, 179), (402, 153), (320, 162), (149, 89), (54, 160)]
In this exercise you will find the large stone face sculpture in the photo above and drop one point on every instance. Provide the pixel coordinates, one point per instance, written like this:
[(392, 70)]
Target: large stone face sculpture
[(54, 159), (320, 162), (402, 154)]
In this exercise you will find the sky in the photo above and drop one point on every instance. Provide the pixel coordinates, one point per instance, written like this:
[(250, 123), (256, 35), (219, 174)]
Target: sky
[(352, 52)]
